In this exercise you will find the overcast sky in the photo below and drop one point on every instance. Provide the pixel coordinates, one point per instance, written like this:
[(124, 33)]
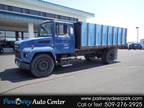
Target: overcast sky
[(123, 13)]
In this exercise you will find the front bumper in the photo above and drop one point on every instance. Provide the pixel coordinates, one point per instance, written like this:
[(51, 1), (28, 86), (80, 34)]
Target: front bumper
[(22, 65)]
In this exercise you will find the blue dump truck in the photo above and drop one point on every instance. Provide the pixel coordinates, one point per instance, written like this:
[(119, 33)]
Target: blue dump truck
[(61, 42)]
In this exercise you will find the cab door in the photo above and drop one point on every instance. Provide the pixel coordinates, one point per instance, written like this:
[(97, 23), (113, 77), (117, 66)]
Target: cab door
[(64, 38)]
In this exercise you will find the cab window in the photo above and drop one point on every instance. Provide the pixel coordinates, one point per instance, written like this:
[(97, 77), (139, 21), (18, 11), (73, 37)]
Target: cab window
[(71, 30), (45, 29), (62, 30)]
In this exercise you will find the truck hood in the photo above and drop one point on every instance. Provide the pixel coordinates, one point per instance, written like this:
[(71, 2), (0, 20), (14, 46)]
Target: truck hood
[(29, 40), (36, 42)]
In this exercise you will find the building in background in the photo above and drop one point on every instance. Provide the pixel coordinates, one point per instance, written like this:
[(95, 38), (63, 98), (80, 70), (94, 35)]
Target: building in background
[(19, 18)]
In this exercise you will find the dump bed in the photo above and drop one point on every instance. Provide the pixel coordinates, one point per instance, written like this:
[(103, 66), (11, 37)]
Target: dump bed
[(88, 35)]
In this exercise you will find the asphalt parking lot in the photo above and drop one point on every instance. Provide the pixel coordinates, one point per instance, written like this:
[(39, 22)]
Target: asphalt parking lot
[(126, 76)]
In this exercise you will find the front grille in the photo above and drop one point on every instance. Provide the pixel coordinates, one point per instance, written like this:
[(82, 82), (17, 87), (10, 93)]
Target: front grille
[(17, 54)]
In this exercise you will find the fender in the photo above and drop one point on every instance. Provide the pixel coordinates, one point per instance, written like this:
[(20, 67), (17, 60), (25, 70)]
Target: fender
[(38, 50)]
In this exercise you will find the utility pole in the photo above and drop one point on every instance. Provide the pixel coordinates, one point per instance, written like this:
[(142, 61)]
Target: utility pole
[(137, 33)]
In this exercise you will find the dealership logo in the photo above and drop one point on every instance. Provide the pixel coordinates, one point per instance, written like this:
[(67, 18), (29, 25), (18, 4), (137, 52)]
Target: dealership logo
[(17, 101), (27, 102)]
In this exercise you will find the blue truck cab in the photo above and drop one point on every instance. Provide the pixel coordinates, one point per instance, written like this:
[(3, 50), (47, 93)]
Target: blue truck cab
[(59, 41)]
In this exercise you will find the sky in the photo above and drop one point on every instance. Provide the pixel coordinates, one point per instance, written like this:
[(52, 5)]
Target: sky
[(121, 13)]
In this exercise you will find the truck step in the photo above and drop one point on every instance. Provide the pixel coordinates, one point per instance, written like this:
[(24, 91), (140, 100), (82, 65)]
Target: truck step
[(66, 65), (65, 62)]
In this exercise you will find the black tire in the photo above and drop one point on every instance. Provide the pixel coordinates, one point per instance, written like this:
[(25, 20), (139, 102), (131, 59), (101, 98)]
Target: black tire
[(42, 65), (109, 56)]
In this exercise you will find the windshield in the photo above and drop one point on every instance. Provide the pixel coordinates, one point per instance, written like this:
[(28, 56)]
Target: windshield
[(45, 30)]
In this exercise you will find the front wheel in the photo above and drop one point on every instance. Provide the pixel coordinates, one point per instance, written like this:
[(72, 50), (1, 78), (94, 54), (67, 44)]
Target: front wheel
[(42, 65)]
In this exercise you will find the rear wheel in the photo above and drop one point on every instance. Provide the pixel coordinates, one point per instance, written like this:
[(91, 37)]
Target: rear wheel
[(42, 65), (109, 56)]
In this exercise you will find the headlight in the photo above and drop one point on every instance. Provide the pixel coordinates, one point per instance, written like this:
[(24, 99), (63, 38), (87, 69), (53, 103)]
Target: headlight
[(26, 54)]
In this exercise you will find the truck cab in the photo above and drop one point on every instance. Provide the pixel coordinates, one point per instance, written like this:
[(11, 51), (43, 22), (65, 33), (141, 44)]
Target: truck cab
[(55, 38), (60, 34)]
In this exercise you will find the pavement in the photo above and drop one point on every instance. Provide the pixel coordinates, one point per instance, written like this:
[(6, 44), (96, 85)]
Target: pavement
[(125, 76)]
